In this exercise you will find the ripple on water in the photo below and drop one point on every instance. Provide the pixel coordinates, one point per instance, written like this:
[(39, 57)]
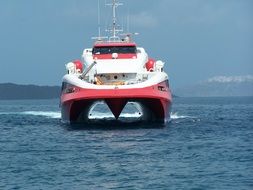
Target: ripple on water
[(206, 145)]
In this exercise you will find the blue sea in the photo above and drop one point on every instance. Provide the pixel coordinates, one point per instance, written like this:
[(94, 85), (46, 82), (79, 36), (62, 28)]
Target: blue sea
[(207, 144)]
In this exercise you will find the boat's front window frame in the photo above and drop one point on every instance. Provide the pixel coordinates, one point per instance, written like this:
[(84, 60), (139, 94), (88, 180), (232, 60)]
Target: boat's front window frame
[(114, 49)]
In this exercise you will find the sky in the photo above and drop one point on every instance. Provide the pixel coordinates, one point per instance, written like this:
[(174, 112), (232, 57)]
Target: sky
[(197, 39)]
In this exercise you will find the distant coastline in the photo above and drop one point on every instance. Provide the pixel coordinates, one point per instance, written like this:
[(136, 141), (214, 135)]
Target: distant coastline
[(11, 91), (219, 86)]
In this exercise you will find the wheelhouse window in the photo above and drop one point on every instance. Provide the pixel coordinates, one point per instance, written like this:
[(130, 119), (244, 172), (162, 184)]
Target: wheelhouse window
[(114, 49)]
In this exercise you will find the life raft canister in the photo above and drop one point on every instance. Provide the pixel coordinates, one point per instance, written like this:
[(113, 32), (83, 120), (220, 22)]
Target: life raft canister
[(150, 65), (78, 65)]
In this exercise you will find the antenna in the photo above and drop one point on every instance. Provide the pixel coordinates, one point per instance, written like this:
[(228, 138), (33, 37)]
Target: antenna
[(114, 29), (99, 27), (128, 21), (99, 38)]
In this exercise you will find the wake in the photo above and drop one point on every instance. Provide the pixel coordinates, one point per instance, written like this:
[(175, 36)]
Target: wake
[(95, 115), (47, 114), (57, 114), (108, 115), (178, 118)]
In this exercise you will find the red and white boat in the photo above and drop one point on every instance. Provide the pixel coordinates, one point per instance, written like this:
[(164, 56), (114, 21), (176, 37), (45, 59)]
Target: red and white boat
[(115, 72)]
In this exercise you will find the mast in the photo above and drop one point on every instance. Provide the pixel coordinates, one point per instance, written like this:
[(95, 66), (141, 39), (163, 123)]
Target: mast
[(114, 30), (99, 27), (114, 19), (99, 38)]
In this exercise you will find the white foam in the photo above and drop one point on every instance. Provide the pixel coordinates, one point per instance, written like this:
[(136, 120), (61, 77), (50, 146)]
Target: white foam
[(99, 115), (49, 114), (95, 115), (131, 115), (176, 116), (108, 115), (7, 113)]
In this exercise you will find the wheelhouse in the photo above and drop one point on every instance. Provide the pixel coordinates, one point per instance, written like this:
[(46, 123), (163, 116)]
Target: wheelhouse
[(123, 50)]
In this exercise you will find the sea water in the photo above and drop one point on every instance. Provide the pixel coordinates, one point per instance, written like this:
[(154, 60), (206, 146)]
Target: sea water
[(207, 144)]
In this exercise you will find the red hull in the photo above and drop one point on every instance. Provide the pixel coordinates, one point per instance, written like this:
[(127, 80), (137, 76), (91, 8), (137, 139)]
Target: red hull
[(154, 100)]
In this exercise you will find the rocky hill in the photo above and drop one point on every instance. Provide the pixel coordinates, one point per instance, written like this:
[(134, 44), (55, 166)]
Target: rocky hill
[(10, 91)]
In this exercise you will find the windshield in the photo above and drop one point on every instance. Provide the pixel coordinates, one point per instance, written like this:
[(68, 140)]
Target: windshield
[(114, 49)]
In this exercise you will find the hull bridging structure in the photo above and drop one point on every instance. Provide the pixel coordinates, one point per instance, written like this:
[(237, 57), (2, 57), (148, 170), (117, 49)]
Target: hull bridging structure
[(154, 103)]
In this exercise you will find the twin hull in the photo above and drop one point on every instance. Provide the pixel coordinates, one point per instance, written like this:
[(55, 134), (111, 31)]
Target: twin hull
[(154, 100)]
